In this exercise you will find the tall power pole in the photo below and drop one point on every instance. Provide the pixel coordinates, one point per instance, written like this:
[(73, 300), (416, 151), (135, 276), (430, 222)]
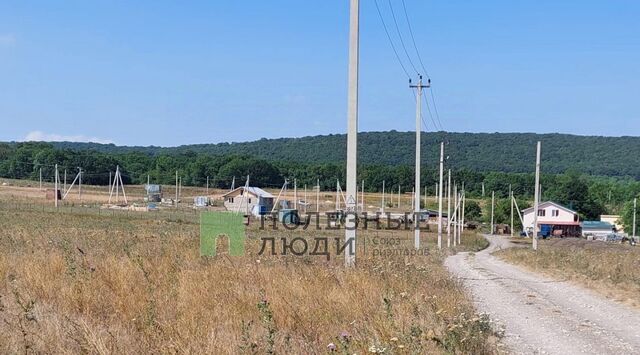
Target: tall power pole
[(177, 188), (382, 207), (536, 200), (449, 209), (511, 200), (55, 189), (416, 199), (352, 132), (635, 204), (493, 202), (40, 179), (318, 196), (440, 196), (80, 184)]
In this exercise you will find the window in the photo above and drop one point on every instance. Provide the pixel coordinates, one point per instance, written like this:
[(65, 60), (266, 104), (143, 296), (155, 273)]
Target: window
[(249, 201), (230, 199), (541, 213), (555, 213)]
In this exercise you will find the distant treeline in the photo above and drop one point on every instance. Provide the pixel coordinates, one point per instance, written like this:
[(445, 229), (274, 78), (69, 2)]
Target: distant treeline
[(484, 152), (590, 195)]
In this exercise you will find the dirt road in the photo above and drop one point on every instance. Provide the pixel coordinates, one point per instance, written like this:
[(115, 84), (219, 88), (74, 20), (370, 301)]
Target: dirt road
[(543, 316)]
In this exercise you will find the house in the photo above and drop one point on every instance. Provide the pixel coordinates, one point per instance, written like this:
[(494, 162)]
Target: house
[(254, 200), (615, 220), (597, 228), (553, 219)]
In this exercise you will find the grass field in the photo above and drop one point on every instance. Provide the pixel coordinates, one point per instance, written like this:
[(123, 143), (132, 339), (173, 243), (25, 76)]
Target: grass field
[(611, 269), (78, 281)]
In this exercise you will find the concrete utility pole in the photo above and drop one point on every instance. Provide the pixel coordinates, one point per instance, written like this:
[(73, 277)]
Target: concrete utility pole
[(80, 184), (177, 188), (65, 180), (55, 189), (352, 131), (295, 194), (511, 199), (416, 199), (493, 202), (482, 189), (362, 186), (440, 196), (464, 202), (635, 204), (454, 221), (382, 207), (536, 201), (207, 185), (449, 209), (40, 179), (460, 216), (318, 196), (148, 179), (109, 180)]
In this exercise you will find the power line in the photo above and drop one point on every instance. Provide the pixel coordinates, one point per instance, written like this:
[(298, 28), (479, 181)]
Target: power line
[(391, 41), (393, 15), (406, 15), (435, 108)]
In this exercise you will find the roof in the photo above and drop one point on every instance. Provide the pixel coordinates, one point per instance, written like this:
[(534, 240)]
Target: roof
[(597, 225), (548, 203), (256, 191)]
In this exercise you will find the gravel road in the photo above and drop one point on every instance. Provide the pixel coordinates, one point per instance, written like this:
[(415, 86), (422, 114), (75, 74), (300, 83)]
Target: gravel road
[(543, 316)]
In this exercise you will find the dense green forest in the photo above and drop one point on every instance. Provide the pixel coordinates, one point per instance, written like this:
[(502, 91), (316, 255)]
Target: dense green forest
[(483, 152), (577, 188)]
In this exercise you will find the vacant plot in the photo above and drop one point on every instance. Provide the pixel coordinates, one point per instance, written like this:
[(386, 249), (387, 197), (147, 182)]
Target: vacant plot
[(611, 269), (82, 282)]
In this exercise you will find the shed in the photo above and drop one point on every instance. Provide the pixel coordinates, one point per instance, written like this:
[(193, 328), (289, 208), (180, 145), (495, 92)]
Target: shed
[(597, 228)]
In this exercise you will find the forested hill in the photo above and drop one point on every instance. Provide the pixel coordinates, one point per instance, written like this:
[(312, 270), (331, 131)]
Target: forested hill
[(504, 152)]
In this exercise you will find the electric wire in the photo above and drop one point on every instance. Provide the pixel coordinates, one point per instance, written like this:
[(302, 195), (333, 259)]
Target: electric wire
[(390, 40), (393, 15)]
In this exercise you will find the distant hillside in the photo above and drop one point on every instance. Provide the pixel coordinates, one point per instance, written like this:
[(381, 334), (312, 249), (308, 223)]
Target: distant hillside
[(504, 152)]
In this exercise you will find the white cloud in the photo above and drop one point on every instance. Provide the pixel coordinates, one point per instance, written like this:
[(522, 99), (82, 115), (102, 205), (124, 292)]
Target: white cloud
[(7, 39), (39, 136)]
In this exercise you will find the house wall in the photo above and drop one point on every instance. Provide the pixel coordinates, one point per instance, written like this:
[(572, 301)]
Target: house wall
[(238, 202), (614, 220), (562, 217)]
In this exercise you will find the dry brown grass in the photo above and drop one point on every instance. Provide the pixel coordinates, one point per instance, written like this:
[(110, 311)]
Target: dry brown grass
[(608, 268), (90, 283)]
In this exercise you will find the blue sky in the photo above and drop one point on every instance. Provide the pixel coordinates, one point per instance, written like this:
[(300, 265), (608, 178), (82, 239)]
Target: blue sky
[(169, 72)]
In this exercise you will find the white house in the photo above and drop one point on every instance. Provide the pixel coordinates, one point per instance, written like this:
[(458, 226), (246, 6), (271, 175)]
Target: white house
[(553, 219), (254, 200)]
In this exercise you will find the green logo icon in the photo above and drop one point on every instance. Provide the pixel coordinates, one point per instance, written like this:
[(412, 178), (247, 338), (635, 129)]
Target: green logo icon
[(215, 224)]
